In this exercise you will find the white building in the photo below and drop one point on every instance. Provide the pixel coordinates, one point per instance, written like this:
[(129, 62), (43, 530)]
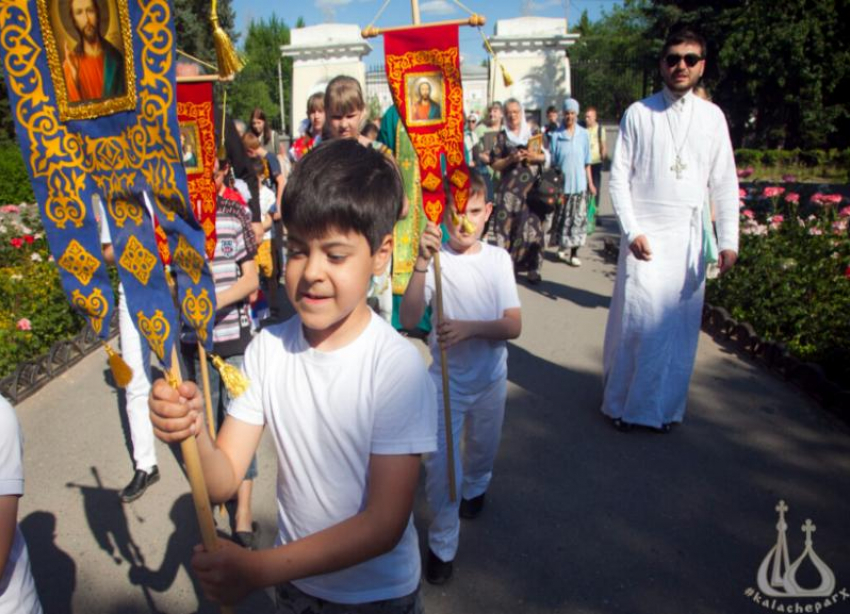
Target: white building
[(319, 54), (533, 50)]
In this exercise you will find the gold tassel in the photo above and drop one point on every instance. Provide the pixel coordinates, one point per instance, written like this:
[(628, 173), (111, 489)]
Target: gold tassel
[(121, 371), (235, 382), (229, 62), (468, 227), (506, 78)]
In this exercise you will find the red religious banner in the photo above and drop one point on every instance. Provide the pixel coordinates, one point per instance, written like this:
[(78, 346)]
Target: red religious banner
[(197, 141), (423, 71)]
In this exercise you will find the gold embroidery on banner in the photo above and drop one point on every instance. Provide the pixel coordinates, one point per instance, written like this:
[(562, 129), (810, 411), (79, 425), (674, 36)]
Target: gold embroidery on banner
[(63, 204), (123, 210), (459, 178), (198, 310), (138, 260), (50, 18), (433, 208), (431, 182), (450, 137), (461, 197), (155, 329), (78, 262), (93, 305), (188, 259)]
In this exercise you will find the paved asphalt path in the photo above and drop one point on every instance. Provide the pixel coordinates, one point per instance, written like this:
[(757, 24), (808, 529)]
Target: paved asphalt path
[(579, 517)]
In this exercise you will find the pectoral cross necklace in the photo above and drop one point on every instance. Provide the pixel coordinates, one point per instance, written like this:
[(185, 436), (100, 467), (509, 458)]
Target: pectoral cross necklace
[(678, 165)]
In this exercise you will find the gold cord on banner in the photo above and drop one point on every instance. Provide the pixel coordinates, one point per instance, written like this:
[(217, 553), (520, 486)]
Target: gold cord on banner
[(121, 371), (229, 62), (506, 78), (235, 382), (189, 56)]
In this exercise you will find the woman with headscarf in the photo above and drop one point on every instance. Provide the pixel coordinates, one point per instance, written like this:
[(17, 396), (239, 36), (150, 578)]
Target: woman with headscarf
[(518, 229), (571, 153)]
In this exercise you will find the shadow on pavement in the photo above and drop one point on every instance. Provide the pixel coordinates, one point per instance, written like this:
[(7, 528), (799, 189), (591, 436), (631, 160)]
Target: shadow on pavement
[(581, 518), (54, 572)]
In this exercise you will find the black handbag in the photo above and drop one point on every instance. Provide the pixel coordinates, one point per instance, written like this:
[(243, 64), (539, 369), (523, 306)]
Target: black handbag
[(546, 191)]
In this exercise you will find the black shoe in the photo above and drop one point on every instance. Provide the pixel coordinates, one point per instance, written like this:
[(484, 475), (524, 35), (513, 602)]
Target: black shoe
[(437, 571), (139, 484), (622, 425), (470, 508), (534, 278), (247, 539)]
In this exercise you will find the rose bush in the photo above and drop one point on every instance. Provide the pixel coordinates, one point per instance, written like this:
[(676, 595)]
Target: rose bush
[(34, 313), (791, 281)]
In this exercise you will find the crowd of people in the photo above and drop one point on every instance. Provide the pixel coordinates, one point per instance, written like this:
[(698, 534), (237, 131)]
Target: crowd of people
[(350, 404)]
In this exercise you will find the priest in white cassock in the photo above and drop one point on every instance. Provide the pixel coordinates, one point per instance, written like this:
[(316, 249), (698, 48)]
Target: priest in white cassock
[(673, 156)]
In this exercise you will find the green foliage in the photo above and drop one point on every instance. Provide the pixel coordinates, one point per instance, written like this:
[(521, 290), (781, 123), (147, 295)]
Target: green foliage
[(7, 125), (609, 63), (15, 184), (257, 84), (194, 31), (776, 68), (816, 165), (34, 313), (792, 280)]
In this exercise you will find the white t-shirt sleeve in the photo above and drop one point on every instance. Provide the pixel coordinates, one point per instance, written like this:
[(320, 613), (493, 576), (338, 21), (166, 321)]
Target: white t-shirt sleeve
[(248, 406), (506, 290), (405, 419), (11, 469)]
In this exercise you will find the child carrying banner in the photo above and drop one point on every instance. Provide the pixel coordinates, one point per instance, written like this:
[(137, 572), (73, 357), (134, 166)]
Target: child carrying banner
[(481, 312), (347, 400)]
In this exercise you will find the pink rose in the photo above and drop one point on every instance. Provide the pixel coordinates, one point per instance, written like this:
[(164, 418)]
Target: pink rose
[(815, 231), (24, 324), (792, 197), (9, 209), (773, 192), (840, 227), (742, 193), (832, 199), (748, 213), (817, 198), (776, 221), (845, 212)]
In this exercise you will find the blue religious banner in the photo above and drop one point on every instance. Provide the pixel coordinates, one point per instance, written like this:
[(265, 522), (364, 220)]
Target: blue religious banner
[(92, 91)]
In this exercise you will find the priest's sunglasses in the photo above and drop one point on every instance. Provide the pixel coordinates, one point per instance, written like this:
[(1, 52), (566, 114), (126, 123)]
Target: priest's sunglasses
[(691, 59)]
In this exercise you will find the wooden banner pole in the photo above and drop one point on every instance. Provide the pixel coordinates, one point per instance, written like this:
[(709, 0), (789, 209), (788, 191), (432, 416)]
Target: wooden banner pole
[(472, 20), (192, 460), (447, 403)]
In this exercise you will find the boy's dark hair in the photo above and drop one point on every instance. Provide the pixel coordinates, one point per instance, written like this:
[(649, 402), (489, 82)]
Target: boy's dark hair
[(345, 186), (551, 109), (477, 186), (684, 35)]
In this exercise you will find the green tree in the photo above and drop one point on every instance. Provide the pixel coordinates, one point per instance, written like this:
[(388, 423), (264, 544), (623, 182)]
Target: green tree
[(775, 68), (257, 84), (609, 63), (194, 31)]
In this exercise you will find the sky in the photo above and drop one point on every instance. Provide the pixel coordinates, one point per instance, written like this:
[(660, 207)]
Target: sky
[(362, 12)]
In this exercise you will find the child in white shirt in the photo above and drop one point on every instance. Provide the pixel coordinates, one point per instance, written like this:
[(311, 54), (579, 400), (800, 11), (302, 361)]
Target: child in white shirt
[(347, 400), (481, 312), (17, 589)]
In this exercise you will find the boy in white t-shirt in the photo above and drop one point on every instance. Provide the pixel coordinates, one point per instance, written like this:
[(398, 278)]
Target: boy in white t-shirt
[(481, 312), (347, 400), (17, 589)]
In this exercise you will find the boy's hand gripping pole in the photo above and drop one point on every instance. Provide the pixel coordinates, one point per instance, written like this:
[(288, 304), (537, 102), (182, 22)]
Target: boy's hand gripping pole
[(192, 459), (447, 404)]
